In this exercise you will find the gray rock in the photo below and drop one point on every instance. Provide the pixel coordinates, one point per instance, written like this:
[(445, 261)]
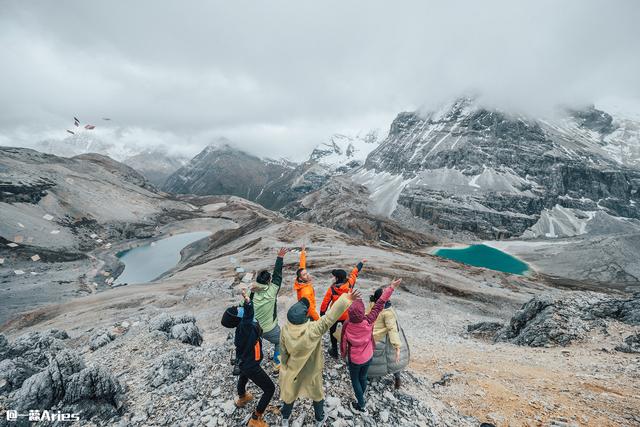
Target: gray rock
[(94, 385), (46, 388), (162, 322), (100, 339), (170, 368), (484, 329), (13, 372), (631, 344), (547, 320), (187, 333), (37, 347)]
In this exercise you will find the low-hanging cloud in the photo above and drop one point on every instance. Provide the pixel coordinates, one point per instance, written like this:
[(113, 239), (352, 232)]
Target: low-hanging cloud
[(279, 77)]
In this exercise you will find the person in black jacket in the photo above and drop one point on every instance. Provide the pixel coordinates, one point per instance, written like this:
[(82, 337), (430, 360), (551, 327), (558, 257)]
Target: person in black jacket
[(248, 344)]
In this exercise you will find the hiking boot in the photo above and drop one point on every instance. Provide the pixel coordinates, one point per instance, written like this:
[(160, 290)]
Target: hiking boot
[(358, 409), (333, 352), (257, 421), (242, 401)]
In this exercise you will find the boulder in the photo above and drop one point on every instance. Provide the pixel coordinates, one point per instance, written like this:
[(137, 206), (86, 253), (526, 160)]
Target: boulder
[(188, 333), (46, 388), (13, 372), (94, 391), (549, 320), (172, 367), (100, 339), (631, 344)]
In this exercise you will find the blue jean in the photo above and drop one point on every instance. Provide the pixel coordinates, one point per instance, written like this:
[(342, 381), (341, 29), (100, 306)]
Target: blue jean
[(358, 375)]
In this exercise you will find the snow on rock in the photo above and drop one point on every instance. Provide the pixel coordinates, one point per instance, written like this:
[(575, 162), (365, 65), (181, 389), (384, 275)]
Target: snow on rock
[(560, 222), (343, 151), (384, 188)]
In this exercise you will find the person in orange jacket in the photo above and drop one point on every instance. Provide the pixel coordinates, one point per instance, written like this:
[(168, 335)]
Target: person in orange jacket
[(304, 285), (342, 284)]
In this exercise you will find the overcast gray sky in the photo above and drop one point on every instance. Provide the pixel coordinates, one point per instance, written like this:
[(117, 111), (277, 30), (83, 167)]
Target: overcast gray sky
[(278, 77)]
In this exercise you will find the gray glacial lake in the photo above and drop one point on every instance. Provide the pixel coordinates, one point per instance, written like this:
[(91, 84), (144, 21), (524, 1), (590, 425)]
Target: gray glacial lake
[(148, 262)]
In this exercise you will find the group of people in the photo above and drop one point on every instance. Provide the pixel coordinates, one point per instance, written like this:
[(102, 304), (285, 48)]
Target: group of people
[(298, 353)]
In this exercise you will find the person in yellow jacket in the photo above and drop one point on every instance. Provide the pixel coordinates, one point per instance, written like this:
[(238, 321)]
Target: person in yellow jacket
[(387, 326), (304, 285), (301, 356)]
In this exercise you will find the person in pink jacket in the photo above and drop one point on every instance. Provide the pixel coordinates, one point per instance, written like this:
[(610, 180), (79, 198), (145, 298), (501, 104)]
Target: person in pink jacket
[(357, 342)]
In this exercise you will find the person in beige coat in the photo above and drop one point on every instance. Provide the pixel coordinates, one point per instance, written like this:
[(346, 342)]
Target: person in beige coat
[(387, 326), (301, 355)]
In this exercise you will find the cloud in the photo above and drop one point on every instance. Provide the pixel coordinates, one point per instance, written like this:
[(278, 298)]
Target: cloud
[(279, 77)]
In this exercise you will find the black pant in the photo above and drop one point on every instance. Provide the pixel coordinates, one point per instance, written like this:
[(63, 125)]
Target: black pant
[(332, 330), (318, 409), (262, 380)]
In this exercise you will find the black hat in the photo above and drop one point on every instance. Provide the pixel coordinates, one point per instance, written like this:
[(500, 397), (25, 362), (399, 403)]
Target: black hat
[(376, 295), (230, 318)]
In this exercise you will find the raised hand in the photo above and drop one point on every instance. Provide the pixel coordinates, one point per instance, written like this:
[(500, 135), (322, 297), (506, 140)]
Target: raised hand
[(303, 248), (353, 295), (282, 252), (364, 261), (396, 283), (245, 296)]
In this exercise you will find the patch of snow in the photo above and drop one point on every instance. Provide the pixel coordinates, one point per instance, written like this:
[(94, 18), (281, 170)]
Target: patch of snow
[(18, 272), (47, 217), (384, 189), (560, 222)]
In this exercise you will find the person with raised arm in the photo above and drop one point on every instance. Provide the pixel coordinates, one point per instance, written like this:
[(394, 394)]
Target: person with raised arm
[(264, 294), (248, 343), (341, 284), (303, 285), (357, 343), (302, 359)]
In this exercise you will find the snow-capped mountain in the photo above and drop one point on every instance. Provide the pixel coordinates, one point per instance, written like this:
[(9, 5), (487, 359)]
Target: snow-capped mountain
[(466, 168), (343, 152), (272, 183)]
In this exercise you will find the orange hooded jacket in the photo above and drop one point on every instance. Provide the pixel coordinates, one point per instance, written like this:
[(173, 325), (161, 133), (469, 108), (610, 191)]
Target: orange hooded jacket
[(305, 290), (335, 291)]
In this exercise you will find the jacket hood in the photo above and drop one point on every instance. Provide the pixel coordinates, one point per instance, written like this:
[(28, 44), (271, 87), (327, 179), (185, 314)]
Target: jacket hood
[(259, 287), (356, 311)]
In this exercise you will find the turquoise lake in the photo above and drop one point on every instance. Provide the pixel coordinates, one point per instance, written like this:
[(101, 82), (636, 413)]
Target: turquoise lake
[(485, 256), (148, 262)]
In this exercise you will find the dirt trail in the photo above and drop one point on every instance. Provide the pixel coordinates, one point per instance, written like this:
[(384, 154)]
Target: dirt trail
[(519, 386)]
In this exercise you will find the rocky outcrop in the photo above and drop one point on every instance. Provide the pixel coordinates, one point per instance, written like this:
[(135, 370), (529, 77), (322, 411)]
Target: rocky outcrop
[(35, 348), (343, 206), (182, 328), (549, 320), (63, 383), (93, 391), (631, 344), (46, 388), (169, 369), (100, 339)]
